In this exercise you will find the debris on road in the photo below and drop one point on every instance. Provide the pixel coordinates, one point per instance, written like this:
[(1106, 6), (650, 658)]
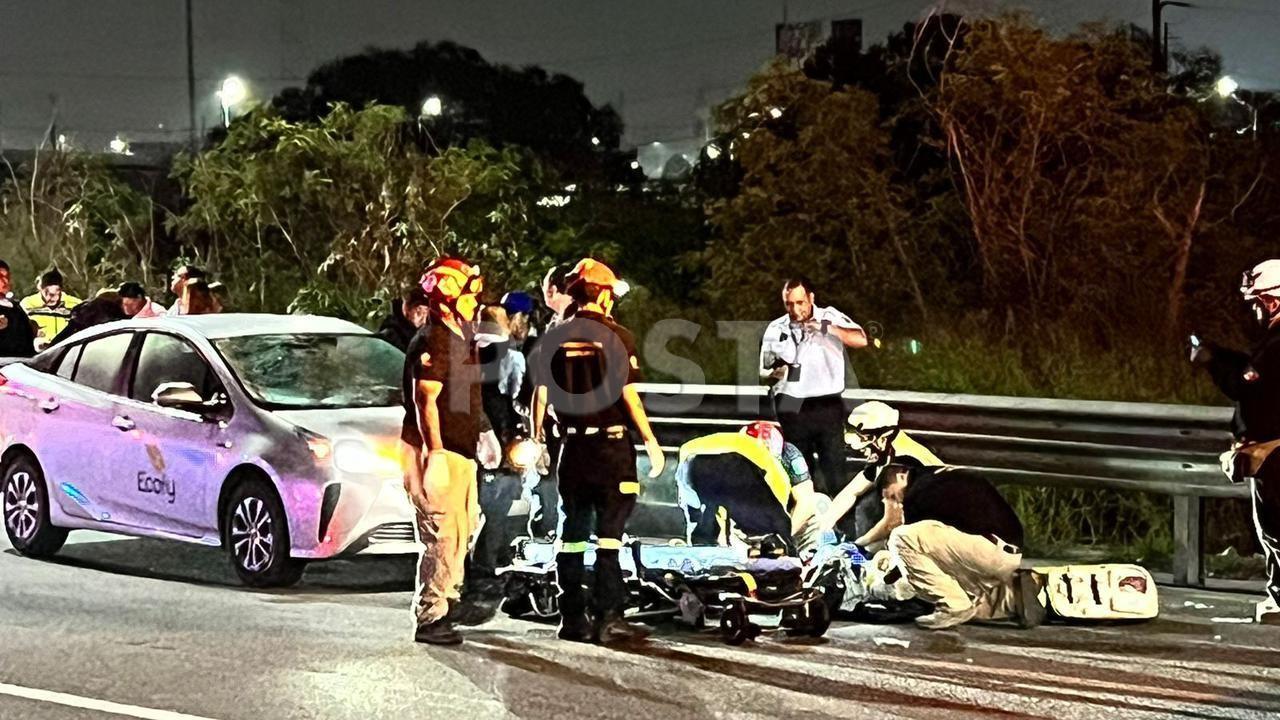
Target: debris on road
[(882, 641)]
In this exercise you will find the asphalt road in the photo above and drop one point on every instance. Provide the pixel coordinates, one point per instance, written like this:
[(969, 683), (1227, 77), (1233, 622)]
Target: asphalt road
[(163, 631)]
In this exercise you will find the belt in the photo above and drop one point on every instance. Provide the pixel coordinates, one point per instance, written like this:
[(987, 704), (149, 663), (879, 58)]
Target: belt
[(1006, 547), (612, 430)]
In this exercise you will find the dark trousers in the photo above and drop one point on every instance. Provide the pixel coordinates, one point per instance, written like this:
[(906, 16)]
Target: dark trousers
[(816, 427), (1266, 519), (498, 489), (598, 490), (748, 503), (548, 519)]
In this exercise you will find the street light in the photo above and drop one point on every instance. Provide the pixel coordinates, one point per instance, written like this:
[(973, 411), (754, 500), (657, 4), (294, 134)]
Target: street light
[(432, 106), (119, 146), (1226, 88), (232, 92), (1157, 48)]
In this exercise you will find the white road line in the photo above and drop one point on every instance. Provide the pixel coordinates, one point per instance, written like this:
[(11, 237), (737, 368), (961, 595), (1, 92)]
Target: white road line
[(85, 703)]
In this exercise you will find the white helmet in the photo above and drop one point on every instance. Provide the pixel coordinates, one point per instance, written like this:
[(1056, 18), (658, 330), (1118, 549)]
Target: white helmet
[(1262, 281), (871, 427)]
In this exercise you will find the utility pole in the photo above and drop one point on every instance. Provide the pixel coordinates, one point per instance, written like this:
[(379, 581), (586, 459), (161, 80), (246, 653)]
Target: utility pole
[(1159, 63), (191, 79), (1166, 47)]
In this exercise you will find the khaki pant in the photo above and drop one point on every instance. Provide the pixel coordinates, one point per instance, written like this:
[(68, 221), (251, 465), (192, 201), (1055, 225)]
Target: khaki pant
[(445, 531), (956, 570)]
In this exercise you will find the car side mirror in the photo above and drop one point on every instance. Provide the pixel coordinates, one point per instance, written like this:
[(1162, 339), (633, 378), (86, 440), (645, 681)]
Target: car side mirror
[(179, 396)]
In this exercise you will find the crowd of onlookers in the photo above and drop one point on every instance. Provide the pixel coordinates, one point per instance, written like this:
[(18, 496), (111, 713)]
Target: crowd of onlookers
[(52, 314)]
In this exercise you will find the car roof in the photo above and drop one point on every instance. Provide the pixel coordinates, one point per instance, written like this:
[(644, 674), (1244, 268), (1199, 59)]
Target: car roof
[(229, 325)]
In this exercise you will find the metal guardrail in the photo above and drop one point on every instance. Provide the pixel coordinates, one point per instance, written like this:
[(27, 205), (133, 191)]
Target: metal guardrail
[(1162, 449)]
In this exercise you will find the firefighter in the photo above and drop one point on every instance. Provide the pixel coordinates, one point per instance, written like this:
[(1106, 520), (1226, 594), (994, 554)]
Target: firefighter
[(445, 433), (1252, 381), (586, 370)]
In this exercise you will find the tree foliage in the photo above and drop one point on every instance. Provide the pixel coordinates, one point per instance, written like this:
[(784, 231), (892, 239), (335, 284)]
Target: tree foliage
[(547, 113), (817, 198), (68, 210), (336, 215)]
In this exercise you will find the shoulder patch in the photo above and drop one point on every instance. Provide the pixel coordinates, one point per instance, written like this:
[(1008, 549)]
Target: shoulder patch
[(425, 360), (635, 363)]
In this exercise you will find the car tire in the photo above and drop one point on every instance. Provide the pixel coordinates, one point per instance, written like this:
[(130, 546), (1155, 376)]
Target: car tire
[(257, 537), (24, 498)]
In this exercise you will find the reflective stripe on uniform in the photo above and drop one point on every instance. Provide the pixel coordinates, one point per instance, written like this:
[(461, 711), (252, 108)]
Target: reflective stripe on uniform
[(574, 547), (749, 580), (629, 488), (608, 544)]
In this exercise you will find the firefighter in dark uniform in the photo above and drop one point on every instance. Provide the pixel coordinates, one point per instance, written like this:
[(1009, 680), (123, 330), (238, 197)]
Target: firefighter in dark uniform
[(586, 369), (1252, 380)]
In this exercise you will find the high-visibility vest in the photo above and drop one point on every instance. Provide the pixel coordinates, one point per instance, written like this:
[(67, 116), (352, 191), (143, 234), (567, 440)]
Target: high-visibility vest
[(49, 320)]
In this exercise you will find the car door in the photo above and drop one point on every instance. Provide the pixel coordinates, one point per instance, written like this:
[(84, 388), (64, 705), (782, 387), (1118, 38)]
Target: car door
[(77, 437), (177, 458)]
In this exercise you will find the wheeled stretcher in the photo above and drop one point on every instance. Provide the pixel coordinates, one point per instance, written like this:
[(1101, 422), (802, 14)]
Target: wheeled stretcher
[(694, 584)]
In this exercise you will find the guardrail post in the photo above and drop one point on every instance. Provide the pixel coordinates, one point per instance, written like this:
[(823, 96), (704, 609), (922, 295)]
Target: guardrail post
[(1188, 541)]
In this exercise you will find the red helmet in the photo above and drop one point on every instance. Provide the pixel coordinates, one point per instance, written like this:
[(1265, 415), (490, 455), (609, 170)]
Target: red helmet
[(769, 433)]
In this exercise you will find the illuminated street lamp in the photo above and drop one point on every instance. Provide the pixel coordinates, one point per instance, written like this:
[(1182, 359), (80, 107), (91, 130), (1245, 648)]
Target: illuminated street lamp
[(432, 106), (232, 92), (1226, 88), (119, 146)]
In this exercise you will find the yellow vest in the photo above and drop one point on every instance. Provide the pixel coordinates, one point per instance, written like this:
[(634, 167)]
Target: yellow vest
[(751, 449), (49, 321)]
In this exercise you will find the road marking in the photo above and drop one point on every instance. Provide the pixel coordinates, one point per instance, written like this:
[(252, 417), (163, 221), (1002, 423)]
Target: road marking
[(85, 703)]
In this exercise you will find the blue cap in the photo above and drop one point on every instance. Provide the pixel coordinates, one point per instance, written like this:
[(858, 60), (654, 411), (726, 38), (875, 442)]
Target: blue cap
[(517, 302)]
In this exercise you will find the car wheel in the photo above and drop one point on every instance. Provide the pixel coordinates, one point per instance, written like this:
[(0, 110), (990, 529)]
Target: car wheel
[(25, 502), (257, 537)]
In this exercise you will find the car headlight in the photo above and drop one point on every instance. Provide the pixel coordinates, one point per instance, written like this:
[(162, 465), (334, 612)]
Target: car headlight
[(359, 458)]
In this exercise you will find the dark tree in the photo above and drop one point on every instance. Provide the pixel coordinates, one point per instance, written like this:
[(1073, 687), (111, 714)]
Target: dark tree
[(547, 113)]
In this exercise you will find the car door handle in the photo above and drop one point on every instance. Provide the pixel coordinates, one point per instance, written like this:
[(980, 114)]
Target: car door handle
[(49, 405), (122, 423)]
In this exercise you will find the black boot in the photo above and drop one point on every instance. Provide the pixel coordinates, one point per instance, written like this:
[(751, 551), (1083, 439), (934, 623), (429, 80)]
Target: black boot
[(614, 629), (440, 632), (472, 611), (575, 627), (1026, 599)]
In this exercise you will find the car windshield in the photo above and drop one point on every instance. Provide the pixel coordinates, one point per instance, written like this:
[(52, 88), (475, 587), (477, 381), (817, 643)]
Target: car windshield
[(316, 371)]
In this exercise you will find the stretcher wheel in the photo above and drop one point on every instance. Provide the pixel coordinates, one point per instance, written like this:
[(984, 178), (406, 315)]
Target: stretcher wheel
[(819, 617), (735, 626)]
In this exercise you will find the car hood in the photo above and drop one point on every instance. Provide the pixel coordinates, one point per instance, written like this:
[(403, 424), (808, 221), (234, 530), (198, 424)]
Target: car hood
[(379, 422)]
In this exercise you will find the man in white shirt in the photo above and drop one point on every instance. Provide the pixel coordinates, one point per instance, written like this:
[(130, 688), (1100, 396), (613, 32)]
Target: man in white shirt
[(803, 353)]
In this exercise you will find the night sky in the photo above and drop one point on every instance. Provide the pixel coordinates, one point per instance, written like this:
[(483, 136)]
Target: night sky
[(118, 66)]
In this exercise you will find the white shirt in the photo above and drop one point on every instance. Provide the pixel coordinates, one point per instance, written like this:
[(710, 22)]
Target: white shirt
[(817, 358)]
